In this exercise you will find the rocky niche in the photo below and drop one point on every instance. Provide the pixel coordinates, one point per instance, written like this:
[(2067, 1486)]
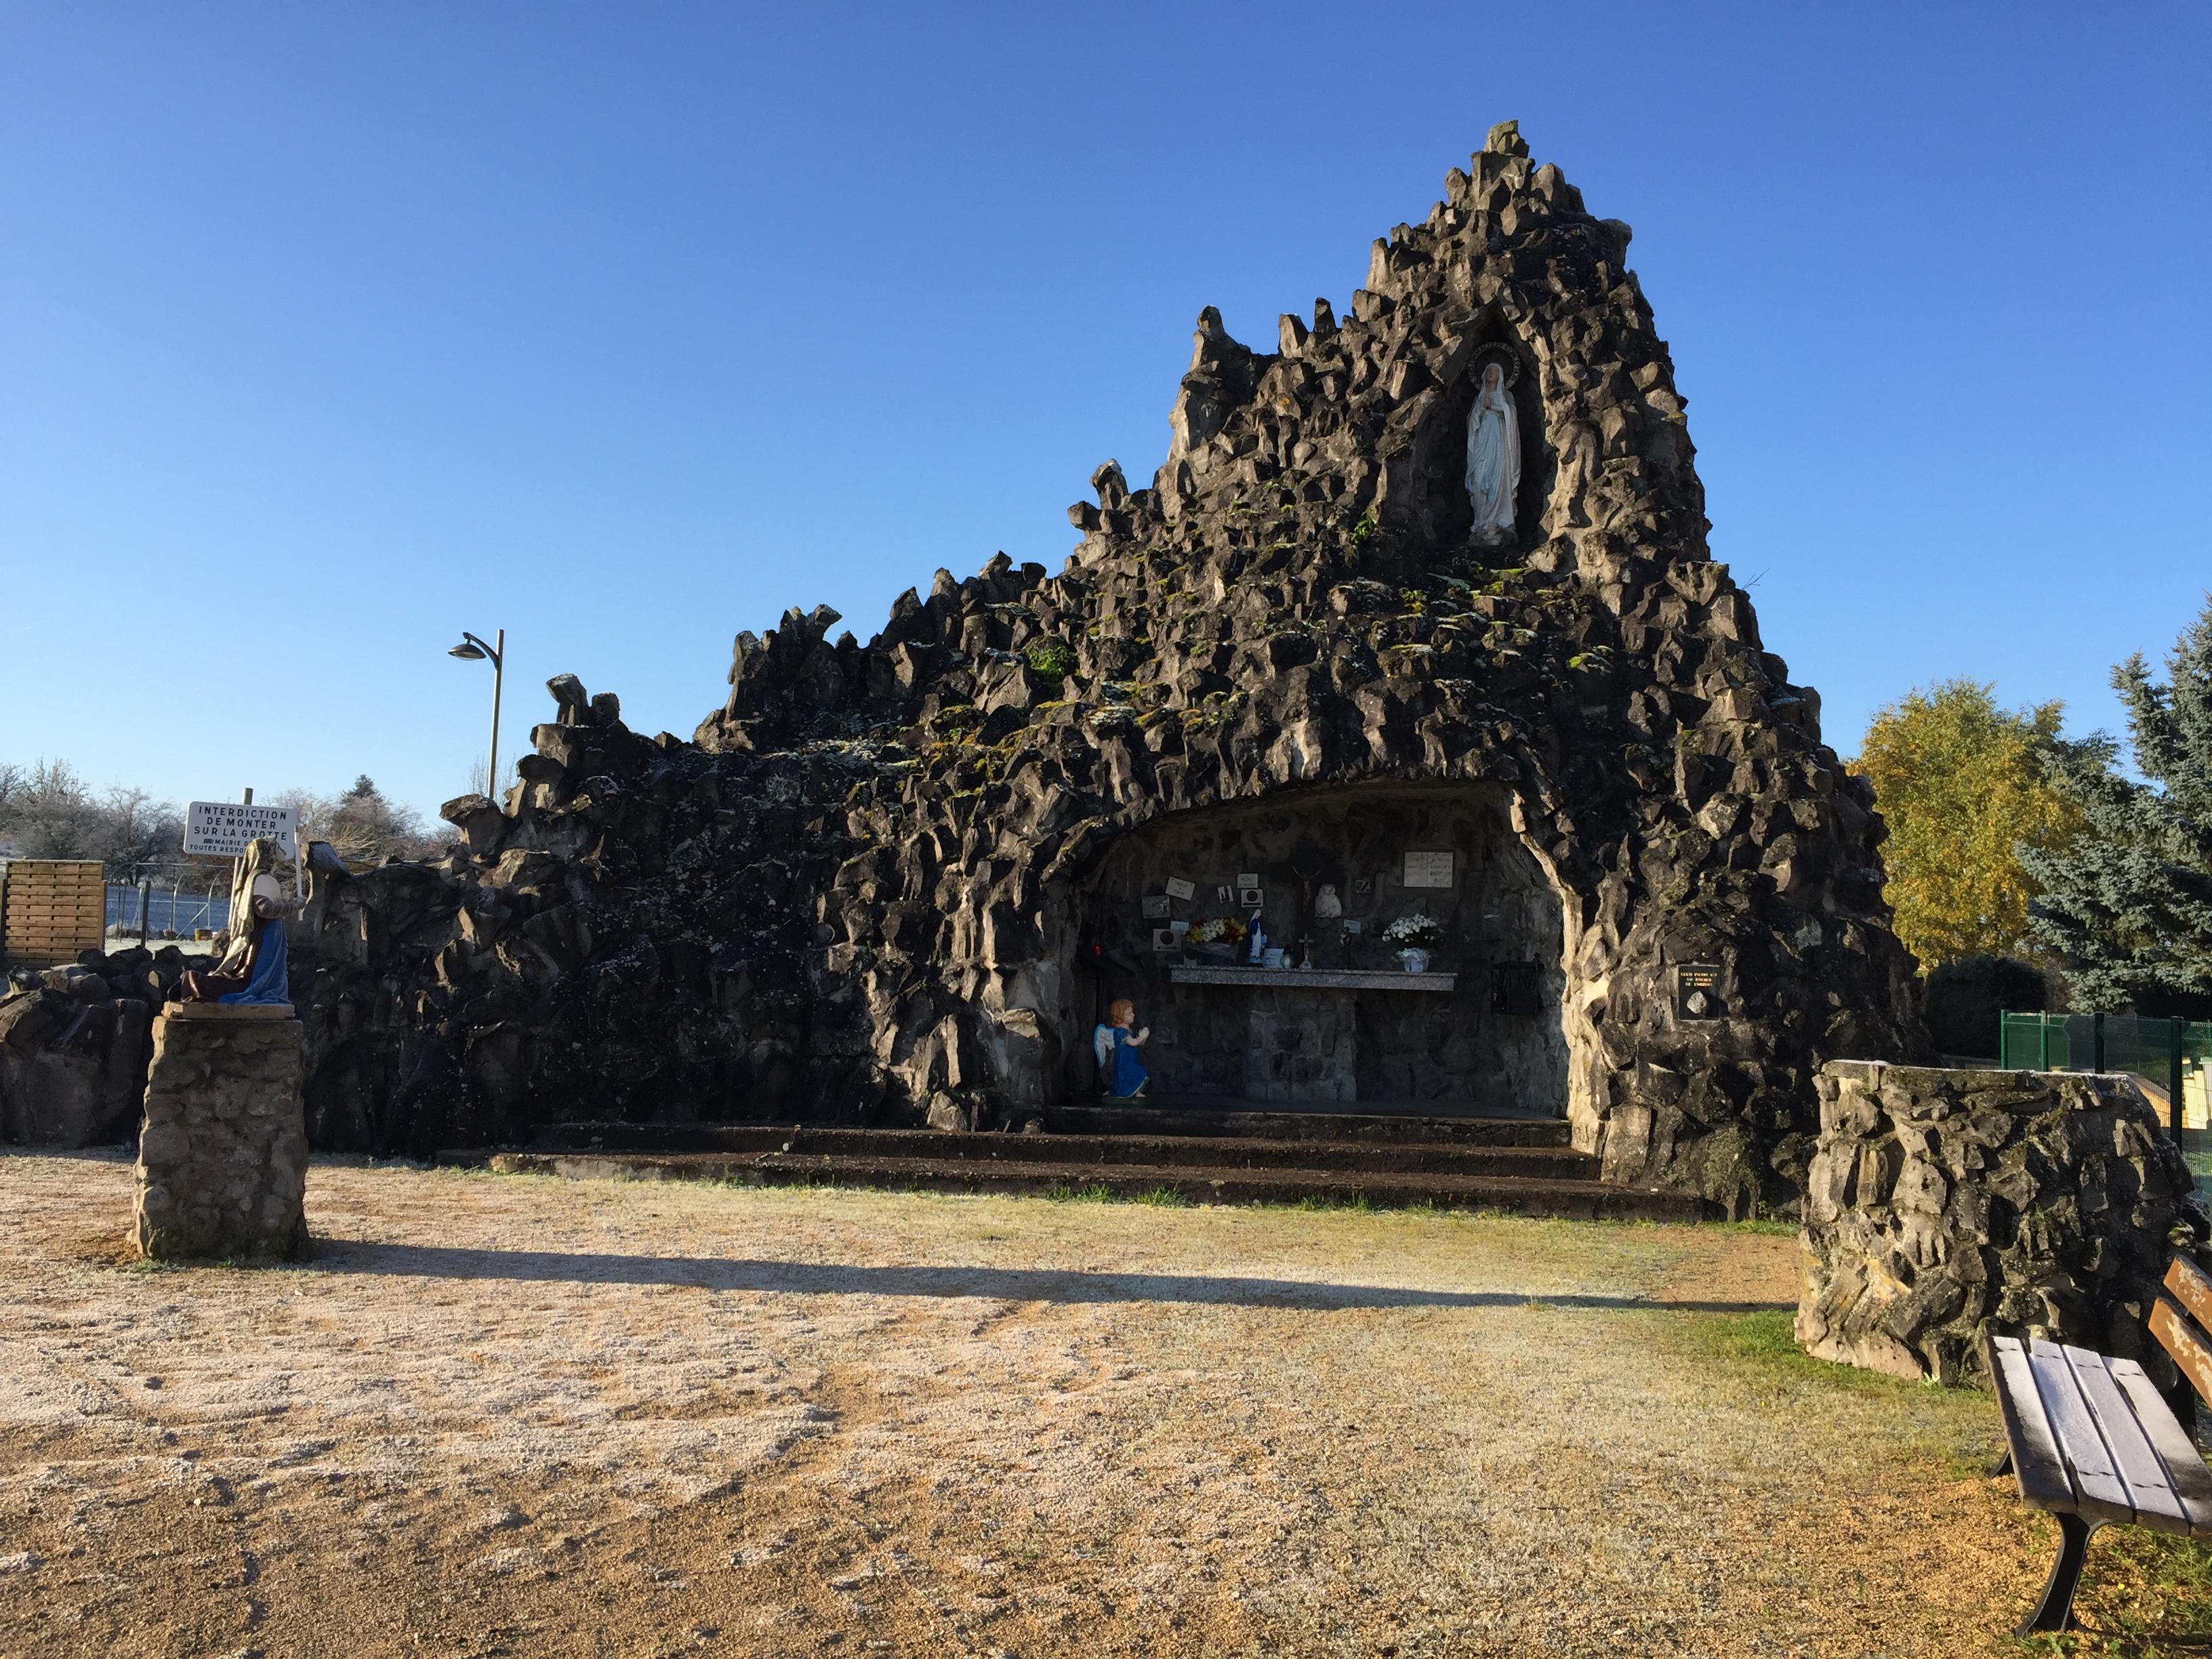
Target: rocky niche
[(223, 1158), (1326, 872), (1944, 1203)]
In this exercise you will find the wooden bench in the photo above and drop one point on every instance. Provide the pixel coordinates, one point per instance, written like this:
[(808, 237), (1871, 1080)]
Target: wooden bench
[(2091, 1439)]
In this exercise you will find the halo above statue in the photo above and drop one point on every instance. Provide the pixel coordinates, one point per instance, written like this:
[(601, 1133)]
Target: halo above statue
[(1508, 363)]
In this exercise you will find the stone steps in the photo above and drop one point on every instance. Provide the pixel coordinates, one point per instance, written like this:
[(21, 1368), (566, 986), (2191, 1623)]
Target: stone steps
[(1508, 1157), (1527, 1180), (1425, 1125)]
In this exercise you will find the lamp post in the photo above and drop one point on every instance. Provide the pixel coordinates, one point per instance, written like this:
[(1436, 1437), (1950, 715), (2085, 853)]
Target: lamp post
[(472, 649)]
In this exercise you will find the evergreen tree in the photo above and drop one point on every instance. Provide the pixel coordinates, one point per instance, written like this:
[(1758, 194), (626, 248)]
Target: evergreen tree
[(366, 828), (2128, 904)]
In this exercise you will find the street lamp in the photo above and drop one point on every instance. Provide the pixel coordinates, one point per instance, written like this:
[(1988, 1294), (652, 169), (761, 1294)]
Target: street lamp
[(472, 649)]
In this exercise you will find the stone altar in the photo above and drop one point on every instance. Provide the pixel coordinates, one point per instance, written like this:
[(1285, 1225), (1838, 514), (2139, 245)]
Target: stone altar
[(1944, 1203), (1303, 1044), (223, 1157)]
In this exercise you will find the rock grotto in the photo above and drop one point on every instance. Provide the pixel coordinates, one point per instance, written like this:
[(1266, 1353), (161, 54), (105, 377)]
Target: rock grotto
[(896, 882)]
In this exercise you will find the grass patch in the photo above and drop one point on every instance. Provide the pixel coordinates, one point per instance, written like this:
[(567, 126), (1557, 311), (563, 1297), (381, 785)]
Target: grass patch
[(1935, 1433), (1359, 1203), (1094, 1194), (1769, 1228), (1767, 1341), (194, 1264), (2143, 1595), (1167, 1198)]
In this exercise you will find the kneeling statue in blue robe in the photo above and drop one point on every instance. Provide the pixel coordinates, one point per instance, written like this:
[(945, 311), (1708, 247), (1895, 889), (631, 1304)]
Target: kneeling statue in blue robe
[(1120, 1067)]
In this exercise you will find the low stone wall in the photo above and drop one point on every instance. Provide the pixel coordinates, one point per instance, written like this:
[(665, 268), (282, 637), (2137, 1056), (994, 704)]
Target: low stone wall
[(223, 1159), (1943, 1202), (74, 1041)]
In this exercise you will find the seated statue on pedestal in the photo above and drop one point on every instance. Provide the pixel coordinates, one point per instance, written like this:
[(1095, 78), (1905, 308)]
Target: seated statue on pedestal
[(252, 972)]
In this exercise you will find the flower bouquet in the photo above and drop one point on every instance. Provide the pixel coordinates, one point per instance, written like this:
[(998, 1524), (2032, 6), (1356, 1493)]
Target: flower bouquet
[(1218, 939), (1415, 936)]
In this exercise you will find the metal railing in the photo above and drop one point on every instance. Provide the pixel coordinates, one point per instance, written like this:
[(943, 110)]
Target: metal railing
[(2172, 1055), (164, 911)]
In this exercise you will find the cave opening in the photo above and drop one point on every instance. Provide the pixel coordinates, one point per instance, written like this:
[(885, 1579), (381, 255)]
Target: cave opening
[(1336, 880)]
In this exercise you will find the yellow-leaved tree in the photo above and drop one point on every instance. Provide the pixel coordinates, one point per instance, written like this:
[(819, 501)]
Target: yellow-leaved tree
[(1960, 783)]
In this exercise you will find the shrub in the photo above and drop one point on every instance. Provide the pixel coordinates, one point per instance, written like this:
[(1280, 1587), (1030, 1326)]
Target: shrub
[(1052, 658)]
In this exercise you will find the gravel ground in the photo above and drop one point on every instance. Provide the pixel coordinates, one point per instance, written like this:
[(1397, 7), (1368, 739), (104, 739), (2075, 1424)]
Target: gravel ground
[(509, 1415)]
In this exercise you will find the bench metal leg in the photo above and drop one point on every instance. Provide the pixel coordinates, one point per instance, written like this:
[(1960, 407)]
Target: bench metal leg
[(2055, 1610)]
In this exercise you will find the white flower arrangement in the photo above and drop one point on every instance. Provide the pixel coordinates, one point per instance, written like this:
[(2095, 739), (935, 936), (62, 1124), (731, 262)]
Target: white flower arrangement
[(1415, 932)]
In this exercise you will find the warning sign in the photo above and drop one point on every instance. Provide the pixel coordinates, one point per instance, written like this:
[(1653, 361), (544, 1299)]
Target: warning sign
[(222, 828)]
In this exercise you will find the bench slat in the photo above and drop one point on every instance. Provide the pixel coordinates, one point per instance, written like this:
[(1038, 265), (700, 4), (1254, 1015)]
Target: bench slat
[(2192, 1287), (2036, 1463), (2103, 1495), (2180, 1338), (2133, 1458), (2185, 1465)]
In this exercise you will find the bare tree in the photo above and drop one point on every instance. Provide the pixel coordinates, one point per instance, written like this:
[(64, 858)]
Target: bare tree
[(140, 834), (366, 828), (314, 812), (480, 777), (48, 811), (52, 815)]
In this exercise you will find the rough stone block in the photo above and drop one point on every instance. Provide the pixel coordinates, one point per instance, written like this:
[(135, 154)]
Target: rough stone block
[(71, 1062), (2062, 1203), (223, 1158)]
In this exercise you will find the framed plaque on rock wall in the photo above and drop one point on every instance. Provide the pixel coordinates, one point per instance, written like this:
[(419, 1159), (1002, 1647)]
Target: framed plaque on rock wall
[(1429, 870), (1698, 991)]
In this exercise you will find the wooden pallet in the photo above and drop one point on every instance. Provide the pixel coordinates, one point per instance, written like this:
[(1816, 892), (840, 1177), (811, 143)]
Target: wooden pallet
[(51, 909)]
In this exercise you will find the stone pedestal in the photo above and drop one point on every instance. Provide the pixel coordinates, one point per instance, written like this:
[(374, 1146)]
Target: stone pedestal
[(223, 1159), (1942, 1203)]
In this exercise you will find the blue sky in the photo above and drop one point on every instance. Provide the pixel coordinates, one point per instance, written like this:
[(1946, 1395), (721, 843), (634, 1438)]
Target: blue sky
[(329, 330)]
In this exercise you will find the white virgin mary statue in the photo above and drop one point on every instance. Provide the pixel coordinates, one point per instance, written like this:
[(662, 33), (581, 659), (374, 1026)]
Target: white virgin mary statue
[(1493, 455)]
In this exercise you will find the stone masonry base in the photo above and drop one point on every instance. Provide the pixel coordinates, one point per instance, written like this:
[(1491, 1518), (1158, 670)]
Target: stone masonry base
[(1945, 1203), (223, 1159)]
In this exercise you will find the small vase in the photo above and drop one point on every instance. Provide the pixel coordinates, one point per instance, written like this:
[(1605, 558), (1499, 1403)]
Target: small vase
[(1414, 961)]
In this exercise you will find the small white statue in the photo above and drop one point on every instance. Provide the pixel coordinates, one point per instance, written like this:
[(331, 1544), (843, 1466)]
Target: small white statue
[(1493, 455), (1327, 906)]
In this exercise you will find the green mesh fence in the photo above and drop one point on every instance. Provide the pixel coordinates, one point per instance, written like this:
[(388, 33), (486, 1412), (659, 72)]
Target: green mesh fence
[(2172, 1055)]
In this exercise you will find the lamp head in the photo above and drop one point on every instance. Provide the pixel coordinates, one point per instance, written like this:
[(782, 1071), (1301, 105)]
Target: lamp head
[(467, 651)]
